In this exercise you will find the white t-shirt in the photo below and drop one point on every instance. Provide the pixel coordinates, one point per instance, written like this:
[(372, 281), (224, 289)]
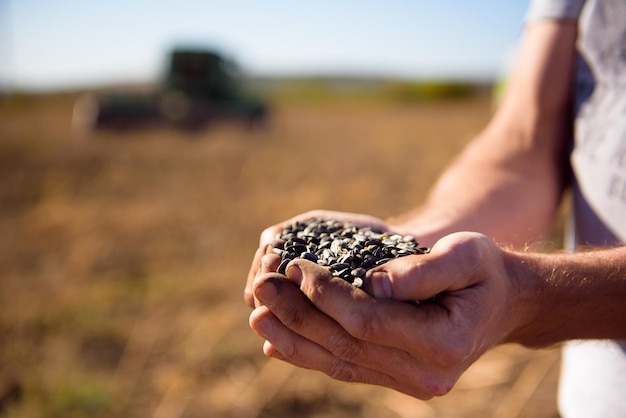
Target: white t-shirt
[(593, 373)]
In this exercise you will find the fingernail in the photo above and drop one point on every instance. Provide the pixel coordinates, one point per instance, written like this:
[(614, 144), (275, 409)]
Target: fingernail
[(267, 293), (381, 285), (294, 273)]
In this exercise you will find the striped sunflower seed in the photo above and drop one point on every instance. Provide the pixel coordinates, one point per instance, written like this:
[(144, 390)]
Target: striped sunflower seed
[(347, 250)]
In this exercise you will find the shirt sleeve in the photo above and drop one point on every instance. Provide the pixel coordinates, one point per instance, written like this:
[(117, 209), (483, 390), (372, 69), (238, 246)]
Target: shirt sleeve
[(554, 9)]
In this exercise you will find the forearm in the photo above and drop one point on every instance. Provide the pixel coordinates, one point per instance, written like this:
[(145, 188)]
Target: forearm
[(511, 202), (568, 296), (507, 183)]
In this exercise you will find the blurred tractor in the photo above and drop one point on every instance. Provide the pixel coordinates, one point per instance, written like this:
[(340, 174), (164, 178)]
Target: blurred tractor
[(199, 87)]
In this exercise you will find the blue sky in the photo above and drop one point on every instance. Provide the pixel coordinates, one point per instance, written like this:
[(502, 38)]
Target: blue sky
[(52, 44)]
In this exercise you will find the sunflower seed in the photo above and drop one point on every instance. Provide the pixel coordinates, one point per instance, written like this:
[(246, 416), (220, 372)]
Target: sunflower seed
[(347, 250)]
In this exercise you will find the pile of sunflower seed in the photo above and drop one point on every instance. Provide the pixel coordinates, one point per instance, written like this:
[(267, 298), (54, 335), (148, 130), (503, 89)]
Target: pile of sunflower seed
[(349, 251)]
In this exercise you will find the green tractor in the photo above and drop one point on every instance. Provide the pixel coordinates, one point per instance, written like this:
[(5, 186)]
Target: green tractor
[(199, 87)]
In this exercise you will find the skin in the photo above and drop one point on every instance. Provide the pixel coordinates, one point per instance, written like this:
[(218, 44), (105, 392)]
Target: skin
[(506, 187)]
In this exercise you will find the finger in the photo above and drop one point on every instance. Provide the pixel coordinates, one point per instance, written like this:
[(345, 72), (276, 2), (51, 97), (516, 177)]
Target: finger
[(268, 237), (297, 313), (248, 295), (265, 261), (450, 266), (283, 344), (420, 331), (305, 337), (269, 263), (286, 313), (416, 278)]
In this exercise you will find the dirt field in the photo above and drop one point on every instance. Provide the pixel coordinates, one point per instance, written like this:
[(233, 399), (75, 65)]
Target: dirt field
[(123, 258)]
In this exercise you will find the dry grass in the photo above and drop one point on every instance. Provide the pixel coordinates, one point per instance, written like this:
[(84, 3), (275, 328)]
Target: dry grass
[(123, 258)]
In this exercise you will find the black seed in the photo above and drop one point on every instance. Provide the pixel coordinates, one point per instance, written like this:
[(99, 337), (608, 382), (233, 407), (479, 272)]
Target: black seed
[(383, 261), (340, 266), (309, 256), (347, 250), (358, 272), (282, 268), (346, 258)]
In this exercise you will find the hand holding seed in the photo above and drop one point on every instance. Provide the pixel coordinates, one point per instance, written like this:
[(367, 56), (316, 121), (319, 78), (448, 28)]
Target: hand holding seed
[(269, 241), (349, 251), (315, 320)]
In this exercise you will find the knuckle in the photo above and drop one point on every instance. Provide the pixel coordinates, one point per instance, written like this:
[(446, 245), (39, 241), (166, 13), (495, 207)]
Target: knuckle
[(343, 371), (440, 388), (314, 292), (364, 326), (478, 250), (344, 347), (292, 318), (290, 352), (454, 352), (433, 385), (316, 287)]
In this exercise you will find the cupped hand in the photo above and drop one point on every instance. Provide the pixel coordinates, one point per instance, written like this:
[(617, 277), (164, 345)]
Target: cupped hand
[(313, 320), (268, 237)]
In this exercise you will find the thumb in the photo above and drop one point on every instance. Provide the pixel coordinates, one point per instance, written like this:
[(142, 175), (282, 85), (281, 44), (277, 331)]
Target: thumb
[(405, 278), (448, 267)]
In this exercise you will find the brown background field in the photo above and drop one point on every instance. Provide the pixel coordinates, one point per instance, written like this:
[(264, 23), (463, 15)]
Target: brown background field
[(123, 258)]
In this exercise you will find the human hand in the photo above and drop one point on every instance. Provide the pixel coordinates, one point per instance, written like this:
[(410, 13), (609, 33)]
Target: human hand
[(267, 241), (313, 320)]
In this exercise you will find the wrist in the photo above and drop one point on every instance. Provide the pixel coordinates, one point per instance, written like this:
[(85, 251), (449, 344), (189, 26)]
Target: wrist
[(526, 272), (558, 297)]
